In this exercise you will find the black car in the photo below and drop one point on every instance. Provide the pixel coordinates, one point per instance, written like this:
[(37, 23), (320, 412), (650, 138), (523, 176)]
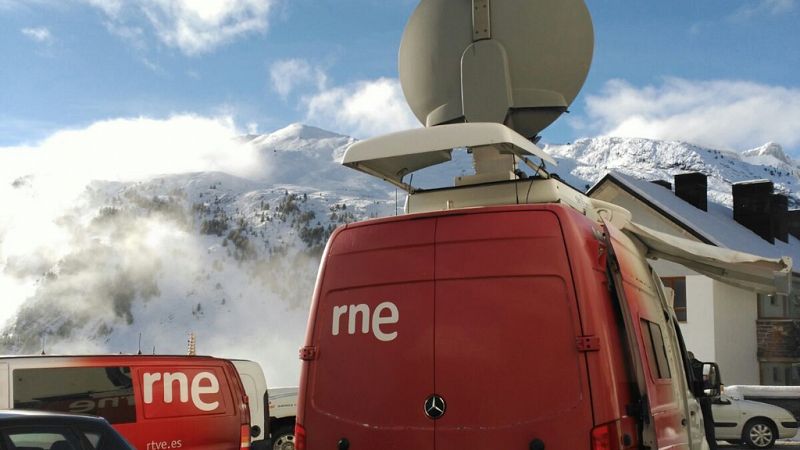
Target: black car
[(33, 430)]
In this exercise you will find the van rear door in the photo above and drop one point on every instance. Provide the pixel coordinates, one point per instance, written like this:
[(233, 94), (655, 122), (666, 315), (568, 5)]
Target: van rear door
[(506, 322), (370, 363)]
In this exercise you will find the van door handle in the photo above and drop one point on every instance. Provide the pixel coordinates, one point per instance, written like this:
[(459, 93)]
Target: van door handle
[(692, 413), (683, 422)]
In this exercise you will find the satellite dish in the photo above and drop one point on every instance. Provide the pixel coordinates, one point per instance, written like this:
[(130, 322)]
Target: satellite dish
[(516, 62)]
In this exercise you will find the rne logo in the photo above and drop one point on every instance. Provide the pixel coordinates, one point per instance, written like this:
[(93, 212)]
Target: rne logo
[(203, 384), (379, 319)]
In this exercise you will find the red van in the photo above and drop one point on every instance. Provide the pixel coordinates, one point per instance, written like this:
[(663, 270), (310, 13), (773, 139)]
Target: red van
[(511, 327), (155, 402)]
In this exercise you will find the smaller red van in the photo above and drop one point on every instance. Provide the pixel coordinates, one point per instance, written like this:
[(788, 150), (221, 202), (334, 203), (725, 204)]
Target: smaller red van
[(155, 402)]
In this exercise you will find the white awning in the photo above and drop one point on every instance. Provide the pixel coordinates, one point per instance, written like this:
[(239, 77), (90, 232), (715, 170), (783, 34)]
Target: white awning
[(756, 273)]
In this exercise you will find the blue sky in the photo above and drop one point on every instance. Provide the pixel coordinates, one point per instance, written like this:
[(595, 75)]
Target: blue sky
[(722, 73)]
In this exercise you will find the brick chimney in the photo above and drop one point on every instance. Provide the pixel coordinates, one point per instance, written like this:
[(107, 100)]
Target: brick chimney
[(752, 207), (794, 222), (779, 212), (693, 189), (663, 183)]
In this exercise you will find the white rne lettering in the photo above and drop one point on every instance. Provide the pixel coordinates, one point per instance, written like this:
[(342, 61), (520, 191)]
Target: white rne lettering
[(197, 390), (351, 321), (338, 312), (202, 384), (378, 320), (362, 312), (149, 380), (183, 386)]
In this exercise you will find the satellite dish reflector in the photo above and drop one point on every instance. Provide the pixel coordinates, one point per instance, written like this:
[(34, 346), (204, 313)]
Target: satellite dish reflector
[(516, 62)]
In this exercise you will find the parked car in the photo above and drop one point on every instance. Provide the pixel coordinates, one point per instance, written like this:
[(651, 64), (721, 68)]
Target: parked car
[(34, 430), (282, 413), (756, 424)]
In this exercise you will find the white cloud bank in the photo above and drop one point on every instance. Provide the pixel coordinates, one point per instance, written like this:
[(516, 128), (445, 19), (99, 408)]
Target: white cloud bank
[(362, 109), (39, 183), (719, 114), (192, 26), (130, 149)]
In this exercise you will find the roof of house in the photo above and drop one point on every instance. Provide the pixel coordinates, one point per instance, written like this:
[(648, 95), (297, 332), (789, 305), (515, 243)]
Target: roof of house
[(715, 226)]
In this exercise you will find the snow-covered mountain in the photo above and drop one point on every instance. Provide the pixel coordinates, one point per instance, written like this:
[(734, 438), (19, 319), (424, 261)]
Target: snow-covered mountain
[(231, 259), (234, 260), (585, 161)]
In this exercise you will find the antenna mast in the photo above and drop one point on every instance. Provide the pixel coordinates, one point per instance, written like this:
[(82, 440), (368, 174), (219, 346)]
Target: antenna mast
[(192, 345)]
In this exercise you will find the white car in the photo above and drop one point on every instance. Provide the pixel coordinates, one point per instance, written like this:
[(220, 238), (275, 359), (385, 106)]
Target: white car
[(756, 424)]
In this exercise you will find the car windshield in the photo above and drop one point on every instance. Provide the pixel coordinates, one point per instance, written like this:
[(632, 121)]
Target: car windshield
[(41, 439)]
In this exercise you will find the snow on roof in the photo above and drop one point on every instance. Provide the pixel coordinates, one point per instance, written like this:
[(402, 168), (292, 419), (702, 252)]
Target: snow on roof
[(716, 225), (742, 391)]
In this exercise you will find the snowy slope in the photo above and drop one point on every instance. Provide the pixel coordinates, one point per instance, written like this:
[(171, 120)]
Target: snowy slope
[(234, 259), (584, 162)]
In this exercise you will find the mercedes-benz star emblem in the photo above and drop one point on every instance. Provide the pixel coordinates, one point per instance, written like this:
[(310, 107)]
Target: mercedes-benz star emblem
[(435, 407)]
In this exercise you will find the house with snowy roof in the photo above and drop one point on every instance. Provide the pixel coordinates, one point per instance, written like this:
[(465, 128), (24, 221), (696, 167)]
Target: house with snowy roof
[(754, 337)]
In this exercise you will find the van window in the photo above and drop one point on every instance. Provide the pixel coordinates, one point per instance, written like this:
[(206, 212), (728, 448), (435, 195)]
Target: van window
[(656, 353), (99, 391)]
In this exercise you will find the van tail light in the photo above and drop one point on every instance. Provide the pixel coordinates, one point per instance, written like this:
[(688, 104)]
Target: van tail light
[(299, 437), (616, 435), (245, 409), (245, 437), (244, 420)]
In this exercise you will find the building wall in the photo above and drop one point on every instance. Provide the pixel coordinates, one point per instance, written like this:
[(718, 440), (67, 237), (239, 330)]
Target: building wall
[(735, 316), (698, 330)]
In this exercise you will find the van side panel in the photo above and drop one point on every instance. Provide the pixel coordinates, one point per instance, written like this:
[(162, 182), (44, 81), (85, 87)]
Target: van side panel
[(506, 359), (651, 329), (205, 418), (373, 338)]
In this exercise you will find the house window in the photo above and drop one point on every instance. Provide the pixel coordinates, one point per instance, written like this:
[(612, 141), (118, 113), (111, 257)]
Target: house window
[(780, 374), (677, 284), (780, 306)]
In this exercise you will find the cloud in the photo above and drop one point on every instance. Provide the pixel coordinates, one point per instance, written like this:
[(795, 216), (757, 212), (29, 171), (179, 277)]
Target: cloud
[(362, 109), (38, 34), (720, 113), (759, 7), (194, 27), (39, 182), (288, 74), (133, 148)]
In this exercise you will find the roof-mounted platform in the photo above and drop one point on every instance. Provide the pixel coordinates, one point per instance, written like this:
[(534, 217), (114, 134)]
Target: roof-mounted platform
[(495, 148)]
